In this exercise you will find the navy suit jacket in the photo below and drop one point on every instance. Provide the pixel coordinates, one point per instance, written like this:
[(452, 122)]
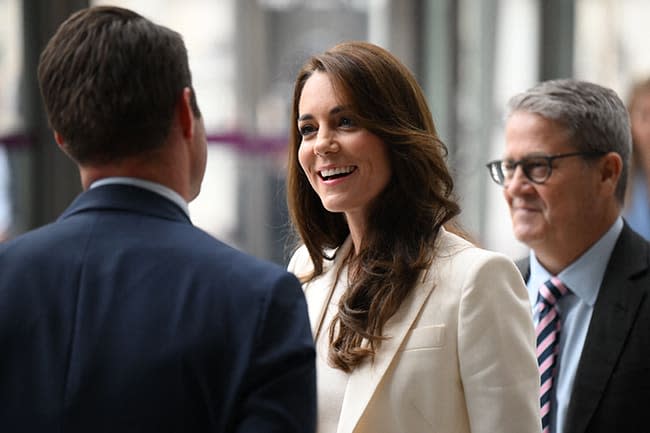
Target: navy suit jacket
[(611, 391), (123, 317)]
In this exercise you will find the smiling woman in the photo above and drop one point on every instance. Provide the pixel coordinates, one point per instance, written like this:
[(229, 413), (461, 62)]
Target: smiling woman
[(400, 307), (347, 165)]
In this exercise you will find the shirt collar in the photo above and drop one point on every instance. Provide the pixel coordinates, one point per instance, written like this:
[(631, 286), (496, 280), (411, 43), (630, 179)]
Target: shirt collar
[(584, 276), (148, 185)]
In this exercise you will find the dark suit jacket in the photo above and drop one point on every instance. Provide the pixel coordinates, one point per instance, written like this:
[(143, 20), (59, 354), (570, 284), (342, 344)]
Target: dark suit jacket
[(611, 392), (123, 317)]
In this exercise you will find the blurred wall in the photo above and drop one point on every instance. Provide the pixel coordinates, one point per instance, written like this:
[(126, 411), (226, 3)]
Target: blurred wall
[(469, 56)]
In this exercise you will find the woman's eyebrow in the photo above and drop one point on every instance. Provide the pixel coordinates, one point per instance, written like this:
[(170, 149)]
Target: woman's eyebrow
[(336, 110)]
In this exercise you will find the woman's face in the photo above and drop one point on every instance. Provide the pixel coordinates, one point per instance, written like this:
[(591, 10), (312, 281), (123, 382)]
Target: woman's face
[(640, 120), (347, 165)]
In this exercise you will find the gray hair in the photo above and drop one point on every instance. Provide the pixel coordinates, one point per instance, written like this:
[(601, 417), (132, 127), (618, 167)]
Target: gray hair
[(595, 117)]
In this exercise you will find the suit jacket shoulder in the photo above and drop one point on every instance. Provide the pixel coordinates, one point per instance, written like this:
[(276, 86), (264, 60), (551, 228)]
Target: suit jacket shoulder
[(612, 383), (123, 316)]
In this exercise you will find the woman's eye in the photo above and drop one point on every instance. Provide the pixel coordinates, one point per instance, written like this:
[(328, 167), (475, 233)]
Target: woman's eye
[(346, 122), (306, 130)]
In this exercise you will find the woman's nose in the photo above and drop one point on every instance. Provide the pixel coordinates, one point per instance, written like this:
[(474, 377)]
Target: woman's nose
[(325, 142)]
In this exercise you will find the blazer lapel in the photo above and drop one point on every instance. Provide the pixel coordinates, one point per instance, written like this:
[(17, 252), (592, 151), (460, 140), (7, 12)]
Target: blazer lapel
[(365, 378), (613, 316)]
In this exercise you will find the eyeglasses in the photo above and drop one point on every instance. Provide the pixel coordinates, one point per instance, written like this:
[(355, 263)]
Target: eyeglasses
[(536, 168)]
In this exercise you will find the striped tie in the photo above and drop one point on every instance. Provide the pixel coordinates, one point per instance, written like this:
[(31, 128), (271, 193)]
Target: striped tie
[(548, 335)]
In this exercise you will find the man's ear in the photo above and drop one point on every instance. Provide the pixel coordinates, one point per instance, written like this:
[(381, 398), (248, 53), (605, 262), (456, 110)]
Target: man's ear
[(63, 146), (185, 113), (611, 169), (59, 139)]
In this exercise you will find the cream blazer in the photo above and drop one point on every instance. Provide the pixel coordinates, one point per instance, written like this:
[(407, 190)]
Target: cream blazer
[(460, 356)]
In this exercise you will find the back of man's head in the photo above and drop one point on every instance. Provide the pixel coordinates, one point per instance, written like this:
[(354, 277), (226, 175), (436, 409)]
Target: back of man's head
[(110, 80)]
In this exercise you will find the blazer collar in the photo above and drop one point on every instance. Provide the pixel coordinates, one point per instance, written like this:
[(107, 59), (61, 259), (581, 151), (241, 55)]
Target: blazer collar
[(126, 198), (613, 316)]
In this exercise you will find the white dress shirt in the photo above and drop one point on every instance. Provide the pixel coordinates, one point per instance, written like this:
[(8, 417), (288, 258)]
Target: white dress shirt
[(145, 184)]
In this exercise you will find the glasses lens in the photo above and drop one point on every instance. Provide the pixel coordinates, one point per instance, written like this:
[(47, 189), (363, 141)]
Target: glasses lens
[(496, 172), (537, 169)]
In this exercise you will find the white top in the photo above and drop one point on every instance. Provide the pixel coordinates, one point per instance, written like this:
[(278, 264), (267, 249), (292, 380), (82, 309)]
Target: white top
[(331, 382)]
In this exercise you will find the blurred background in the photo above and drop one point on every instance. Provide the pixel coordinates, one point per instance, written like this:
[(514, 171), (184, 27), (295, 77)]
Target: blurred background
[(470, 56)]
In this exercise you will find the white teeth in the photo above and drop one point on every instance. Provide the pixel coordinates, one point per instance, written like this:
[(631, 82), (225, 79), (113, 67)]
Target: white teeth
[(334, 171)]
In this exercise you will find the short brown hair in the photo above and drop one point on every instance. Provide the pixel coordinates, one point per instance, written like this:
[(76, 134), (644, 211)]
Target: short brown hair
[(110, 80)]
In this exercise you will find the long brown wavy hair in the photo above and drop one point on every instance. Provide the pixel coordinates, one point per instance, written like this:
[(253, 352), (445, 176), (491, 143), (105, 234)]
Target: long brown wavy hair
[(406, 217)]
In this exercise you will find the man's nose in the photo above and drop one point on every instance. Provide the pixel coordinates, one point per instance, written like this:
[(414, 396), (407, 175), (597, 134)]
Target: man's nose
[(516, 180)]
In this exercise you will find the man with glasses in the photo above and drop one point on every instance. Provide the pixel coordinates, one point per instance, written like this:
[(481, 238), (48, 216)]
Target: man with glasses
[(564, 174)]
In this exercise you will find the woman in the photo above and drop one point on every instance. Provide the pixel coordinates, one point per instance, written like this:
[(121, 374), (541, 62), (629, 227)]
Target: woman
[(637, 209), (416, 329)]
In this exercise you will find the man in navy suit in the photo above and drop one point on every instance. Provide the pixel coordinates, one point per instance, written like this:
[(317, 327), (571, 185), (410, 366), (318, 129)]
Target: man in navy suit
[(121, 316), (564, 174)]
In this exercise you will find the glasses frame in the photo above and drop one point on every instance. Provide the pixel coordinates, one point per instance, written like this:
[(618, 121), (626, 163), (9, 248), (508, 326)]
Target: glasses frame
[(497, 165)]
